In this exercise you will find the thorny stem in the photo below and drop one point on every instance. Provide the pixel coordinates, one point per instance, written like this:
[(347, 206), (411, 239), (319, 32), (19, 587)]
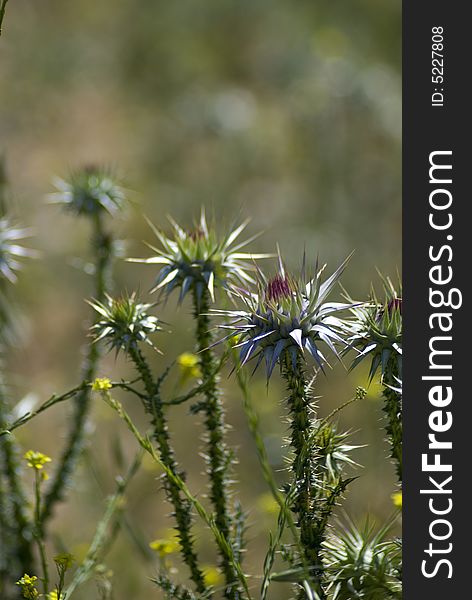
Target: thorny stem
[(304, 469), (218, 456), (182, 507), (393, 411), (16, 496), (103, 245)]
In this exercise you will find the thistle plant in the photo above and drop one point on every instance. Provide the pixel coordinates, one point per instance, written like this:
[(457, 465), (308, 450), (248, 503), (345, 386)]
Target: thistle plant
[(201, 262), (91, 192), (285, 321), (124, 324), (376, 333)]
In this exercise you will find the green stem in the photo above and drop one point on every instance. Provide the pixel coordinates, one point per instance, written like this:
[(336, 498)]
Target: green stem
[(98, 547), (182, 507), (304, 470), (268, 473), (38, 533), (218, 457), (66, 465)]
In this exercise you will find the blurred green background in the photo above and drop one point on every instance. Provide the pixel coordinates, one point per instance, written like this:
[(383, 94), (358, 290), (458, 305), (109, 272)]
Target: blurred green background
[(289, 113)]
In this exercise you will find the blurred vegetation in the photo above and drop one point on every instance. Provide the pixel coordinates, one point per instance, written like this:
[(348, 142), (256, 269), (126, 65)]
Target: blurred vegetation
[(287, 113)]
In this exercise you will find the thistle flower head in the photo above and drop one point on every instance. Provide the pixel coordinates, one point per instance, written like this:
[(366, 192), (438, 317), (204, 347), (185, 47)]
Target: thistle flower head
[(90, 191), (124, 322), (363, 564), (332, 448), (376, 331), (11, 250), (287, 317), (200, 260)]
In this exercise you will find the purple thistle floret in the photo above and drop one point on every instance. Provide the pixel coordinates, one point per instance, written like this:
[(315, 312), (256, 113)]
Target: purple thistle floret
[(278, 288), (395, 304)]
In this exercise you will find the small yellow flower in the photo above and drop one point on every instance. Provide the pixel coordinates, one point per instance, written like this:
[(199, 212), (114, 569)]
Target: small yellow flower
[(28, 586), (55, 596), (101, 384), (212, 576), (169, 544), (397, 499), (188, 365), (64, 561), (36, 460), (268, 504)]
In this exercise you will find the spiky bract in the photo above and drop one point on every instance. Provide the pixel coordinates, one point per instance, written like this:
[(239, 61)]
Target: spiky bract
[(90, 191), (363, 564), (287, 316), (124, 322), (11, 250), (376, 331), (201, 259)]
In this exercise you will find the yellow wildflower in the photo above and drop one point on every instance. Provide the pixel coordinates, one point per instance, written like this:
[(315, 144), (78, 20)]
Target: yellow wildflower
[(64, 561), (397, 499), (188, 365), (212, 576), (101, 384), (55, 596), (169, 544), (28, 586), (36, 460)]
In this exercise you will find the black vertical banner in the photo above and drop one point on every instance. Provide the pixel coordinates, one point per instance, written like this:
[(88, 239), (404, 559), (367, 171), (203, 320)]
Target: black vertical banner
[(437, 172)]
